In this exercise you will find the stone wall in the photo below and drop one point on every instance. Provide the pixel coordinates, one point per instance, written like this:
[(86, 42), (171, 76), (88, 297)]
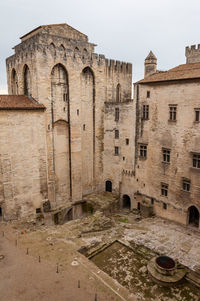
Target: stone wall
[(23, 164)]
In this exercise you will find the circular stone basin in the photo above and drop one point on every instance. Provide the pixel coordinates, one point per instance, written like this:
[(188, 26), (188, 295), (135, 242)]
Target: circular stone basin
[(165, 265), (165, 262)]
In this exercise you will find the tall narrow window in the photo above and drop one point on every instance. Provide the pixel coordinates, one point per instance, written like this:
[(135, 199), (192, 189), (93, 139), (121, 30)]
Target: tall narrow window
[(172, 112), (116, 150), (145, 112), (166, 155), (118, 93), (164, 189), (143, 151), (196, 160), (197, 115), (127, 141), (116, 114), (148, 94), (116, 134)]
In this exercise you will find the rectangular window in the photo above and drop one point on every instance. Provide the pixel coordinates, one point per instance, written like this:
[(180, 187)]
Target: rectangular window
[(145, 115), (116, 114), (172, 112), (186, 185), (148, 94), (164, 206), (196, 160), (127, 141), (166, 155), (116, 134), (116, 150), (197, 115), (143, 151), (164, 189), (65, 97)]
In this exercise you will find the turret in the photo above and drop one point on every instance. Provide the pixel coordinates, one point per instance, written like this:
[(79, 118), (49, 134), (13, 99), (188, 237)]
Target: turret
[(150, 64), (192, 54)]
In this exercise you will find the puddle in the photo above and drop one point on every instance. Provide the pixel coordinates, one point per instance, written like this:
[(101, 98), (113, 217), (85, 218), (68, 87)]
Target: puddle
[(128, 267)]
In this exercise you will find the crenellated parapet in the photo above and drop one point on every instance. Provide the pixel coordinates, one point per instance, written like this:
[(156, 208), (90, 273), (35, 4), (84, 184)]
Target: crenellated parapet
[(192, 54)]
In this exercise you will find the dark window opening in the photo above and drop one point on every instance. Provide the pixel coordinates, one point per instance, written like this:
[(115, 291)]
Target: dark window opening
[(172, 112), (116, 114), (164, 206), (138, 206), (38, 210), (143, 151), (108, 186), (152, 201), (116, 150), (127, 141), (193, 216), (148, 94), (166, 155), (126, 201), (123, 158), (186, 185), (77, 112), (65, 97), (118, 93), (197, 115), (164, 189), (0, 211), (84, 127), (196, 160), (116, 134), (145, 115)]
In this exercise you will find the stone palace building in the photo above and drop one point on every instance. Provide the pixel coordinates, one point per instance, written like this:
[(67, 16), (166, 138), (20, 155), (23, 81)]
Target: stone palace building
[(69, 127)]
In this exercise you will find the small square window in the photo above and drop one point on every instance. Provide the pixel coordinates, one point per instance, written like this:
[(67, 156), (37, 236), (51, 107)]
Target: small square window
[(143, 151), (164, 206), (38, 210), (197, 115), (166, 155), (127, 141), (148, 94), (186, 185), (116, 134), (196, 160), (172, 112), (164, 189), (116, 151)]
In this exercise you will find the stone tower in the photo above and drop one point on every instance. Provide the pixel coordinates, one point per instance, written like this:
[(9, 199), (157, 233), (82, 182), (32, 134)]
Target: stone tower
[(150, 65), (57, 66), (192, 54)]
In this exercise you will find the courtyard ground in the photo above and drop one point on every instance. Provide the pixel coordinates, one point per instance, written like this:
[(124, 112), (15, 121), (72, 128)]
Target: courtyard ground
[(24, 278)]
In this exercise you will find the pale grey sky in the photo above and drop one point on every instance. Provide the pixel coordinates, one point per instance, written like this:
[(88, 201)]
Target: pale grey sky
[(125, 30)]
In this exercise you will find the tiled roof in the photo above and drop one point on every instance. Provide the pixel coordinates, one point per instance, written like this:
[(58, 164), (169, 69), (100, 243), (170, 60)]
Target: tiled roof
[(19, 102), (181, 72)]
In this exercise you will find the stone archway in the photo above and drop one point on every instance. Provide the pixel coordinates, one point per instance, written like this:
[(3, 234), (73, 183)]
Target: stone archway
[(193, 216), (108, 186), (126, 202)]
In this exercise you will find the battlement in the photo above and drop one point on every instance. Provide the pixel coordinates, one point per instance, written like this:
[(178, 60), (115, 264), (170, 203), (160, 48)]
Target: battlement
[(192, 54)]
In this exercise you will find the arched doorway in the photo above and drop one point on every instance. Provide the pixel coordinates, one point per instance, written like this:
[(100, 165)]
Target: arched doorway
[(109, 186), (68, 216), (193, 216), (126, 202)]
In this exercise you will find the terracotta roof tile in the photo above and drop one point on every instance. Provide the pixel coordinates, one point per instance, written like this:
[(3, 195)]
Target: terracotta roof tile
[(181, 72), (19, 102)]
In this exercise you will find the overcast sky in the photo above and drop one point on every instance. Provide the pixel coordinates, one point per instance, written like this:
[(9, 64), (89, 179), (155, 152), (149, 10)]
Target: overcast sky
[(125, 30)]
